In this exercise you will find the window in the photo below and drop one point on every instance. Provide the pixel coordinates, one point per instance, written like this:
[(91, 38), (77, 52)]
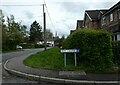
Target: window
[(104, 20), (111, 17), (119, 13), (118, 37), (115, 37)]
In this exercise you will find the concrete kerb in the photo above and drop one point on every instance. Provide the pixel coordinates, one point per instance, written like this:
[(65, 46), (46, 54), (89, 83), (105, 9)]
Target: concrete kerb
[(54, 80)]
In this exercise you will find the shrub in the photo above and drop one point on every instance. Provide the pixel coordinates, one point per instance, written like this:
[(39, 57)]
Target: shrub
[(95, 48), (116, 52), (39, 46), (27, 45)]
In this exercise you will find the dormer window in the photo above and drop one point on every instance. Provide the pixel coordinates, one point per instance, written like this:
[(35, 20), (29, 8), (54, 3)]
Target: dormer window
[(111, 17)]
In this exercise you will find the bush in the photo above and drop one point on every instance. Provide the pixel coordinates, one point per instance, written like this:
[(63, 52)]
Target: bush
[(95, 48), (27, 45), (39, 46), (116, 52)]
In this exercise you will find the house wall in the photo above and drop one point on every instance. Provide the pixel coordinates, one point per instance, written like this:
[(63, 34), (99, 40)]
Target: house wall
[(87, 20), (91, 24), (113, 26), (113, 23)]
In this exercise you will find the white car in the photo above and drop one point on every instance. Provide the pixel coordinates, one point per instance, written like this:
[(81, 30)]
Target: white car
[(18, 47)]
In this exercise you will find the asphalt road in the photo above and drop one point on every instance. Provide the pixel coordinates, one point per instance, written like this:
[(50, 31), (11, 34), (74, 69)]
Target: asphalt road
[(8, 79)]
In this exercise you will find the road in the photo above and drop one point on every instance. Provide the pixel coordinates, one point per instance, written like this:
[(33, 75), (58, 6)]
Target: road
[(8, 78)]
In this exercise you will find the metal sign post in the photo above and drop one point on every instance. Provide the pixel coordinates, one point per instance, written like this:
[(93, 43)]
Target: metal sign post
[(65, 51), (65, 59), (75, 59)]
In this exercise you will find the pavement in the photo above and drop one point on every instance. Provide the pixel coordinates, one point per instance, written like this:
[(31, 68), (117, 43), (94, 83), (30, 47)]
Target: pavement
[(16, 67)]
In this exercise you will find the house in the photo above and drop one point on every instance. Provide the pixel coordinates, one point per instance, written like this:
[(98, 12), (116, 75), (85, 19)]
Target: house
[(79, 24), (71, 31), (92, 18), (111, 21), (108, 19)]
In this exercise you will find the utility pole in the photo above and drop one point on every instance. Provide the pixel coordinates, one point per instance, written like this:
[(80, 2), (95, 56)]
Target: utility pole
[(44, 25)]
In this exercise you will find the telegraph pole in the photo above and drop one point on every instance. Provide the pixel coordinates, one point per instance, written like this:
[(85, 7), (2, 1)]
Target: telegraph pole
[(44, 25)]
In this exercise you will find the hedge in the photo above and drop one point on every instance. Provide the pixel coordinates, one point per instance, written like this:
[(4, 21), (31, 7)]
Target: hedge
[(116, 52), (95, 48)]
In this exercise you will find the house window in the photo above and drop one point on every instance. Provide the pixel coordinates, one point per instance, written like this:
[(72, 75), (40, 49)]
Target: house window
[(104, 20), (115, 37), (111, 17), (119, 13), (118, 37)]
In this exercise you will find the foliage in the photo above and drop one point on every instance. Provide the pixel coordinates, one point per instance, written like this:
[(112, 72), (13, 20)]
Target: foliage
[(58, 41), (95, 48), (116, 52), (13, 33), (49, 34), (35, 32), (39, 46), (27, 45)]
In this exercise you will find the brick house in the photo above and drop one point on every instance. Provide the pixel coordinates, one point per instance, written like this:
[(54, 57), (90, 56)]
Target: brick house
[(92, 18), (111, 21), (79, 24), (108, 19)]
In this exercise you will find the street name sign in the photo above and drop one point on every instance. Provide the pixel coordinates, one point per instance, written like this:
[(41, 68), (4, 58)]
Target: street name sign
[(65, 51), (70, 50)]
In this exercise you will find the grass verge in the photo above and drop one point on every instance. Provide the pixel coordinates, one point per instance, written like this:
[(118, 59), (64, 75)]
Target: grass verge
[(53, 59), (50, 59)]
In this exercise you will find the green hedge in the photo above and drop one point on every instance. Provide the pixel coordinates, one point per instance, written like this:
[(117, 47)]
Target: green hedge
[(116, 52), (27, 45), (39, 46), (95, 48)]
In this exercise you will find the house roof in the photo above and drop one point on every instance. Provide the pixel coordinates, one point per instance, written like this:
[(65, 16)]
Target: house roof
[(79, 24), (94, 14), (103, 11)]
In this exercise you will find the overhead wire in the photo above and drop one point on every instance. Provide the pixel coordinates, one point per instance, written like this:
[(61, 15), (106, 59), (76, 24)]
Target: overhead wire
[(49, 14), (51, 19)]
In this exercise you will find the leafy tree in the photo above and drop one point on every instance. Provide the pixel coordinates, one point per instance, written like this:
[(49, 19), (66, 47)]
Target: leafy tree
[(13, 33), (49, 34), (35, 32)]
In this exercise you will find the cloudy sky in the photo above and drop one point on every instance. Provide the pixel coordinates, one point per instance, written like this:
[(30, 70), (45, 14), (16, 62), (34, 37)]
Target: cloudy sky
[(62, 15)]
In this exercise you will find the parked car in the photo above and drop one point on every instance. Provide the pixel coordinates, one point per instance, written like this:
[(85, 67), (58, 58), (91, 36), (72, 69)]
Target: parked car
[(19, 47)]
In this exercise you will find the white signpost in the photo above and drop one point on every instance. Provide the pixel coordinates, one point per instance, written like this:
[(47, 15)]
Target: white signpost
[(70, 51)]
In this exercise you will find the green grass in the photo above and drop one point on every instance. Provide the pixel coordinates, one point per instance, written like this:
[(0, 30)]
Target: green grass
[(53, 59), (50, 59)]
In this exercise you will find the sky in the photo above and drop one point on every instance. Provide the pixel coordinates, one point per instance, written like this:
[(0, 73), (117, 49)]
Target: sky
[(61, 15)]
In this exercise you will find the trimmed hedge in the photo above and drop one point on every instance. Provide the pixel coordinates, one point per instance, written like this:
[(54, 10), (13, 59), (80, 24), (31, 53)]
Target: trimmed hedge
[(116, 52), (95, 49)]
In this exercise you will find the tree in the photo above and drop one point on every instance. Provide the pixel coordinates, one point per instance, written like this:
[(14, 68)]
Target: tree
[(35, 32), (13, 34), (49, 34)]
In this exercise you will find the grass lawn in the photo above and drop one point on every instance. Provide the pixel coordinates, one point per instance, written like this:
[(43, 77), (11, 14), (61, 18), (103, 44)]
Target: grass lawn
[(50, 59), (53, 59)]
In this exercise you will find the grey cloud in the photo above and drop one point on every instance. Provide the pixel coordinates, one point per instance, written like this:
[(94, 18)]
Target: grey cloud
[(80, 7), (29, 14), (107, 4), (74, 7)]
